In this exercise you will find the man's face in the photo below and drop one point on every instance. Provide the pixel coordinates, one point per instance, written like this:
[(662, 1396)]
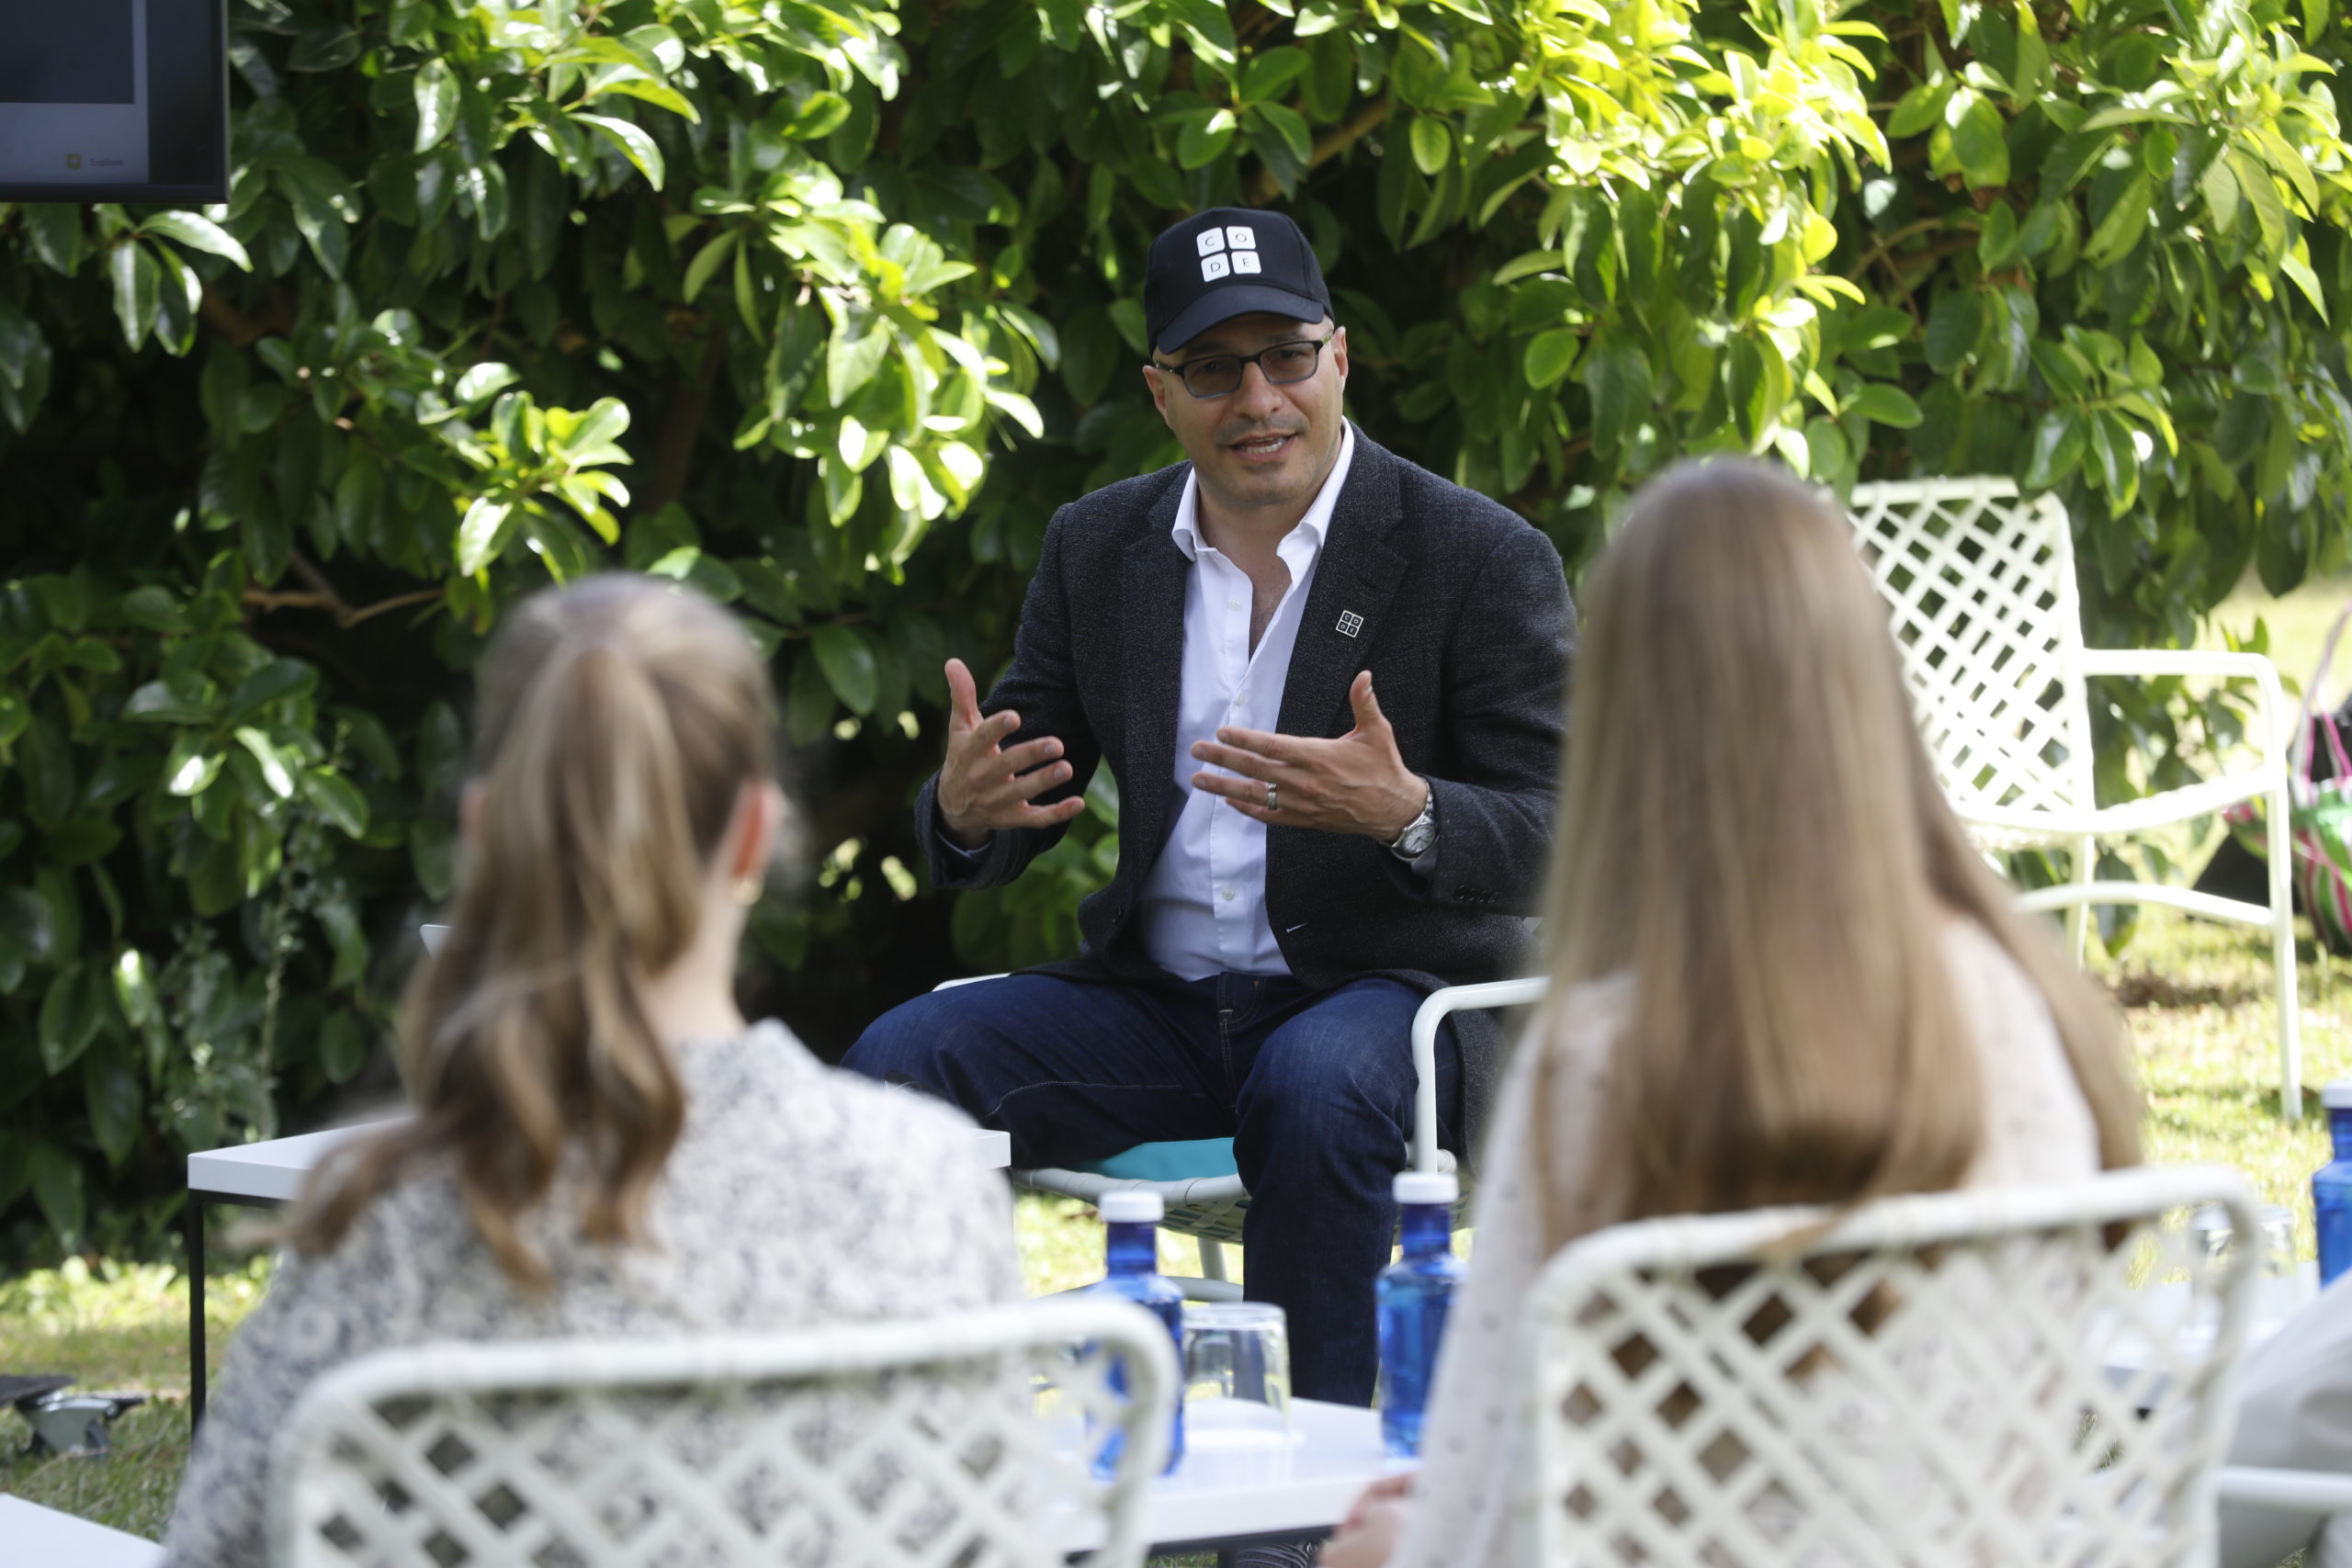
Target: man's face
[(1260, 445)]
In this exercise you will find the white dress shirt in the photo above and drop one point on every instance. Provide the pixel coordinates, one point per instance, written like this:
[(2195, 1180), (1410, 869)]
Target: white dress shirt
[(1203, 907)]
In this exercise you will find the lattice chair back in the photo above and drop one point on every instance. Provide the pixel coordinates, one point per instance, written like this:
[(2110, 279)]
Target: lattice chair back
[(955, 1443), (1981, 588), (1960, 1381)]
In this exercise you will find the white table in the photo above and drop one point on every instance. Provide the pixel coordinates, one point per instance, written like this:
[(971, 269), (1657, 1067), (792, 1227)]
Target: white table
[(32, 1537), (270, 1173), (2276, 1300), (1221, 1496)]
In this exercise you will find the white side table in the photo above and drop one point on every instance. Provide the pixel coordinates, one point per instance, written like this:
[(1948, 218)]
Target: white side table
[(35, 1535)]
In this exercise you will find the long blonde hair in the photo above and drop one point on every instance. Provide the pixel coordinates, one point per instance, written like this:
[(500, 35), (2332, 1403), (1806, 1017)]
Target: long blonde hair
[(1752, 831), (619, 721)]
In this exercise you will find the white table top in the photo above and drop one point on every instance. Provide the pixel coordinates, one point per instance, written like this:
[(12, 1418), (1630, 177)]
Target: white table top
[(1227, 1493), (274, 1171), (33, 1535), (2276, 1300)]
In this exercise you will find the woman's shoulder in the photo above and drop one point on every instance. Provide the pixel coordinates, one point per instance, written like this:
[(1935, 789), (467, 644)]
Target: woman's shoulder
[(766, 1075)]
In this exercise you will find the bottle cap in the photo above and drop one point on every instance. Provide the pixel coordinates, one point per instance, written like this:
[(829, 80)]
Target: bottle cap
[(1131, 1208), (1428, 1187), (2338, 1096)]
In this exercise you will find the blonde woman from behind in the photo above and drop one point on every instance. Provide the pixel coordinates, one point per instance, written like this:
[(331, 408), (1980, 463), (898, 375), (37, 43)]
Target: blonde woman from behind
[(1780, 975), (602, 1145)]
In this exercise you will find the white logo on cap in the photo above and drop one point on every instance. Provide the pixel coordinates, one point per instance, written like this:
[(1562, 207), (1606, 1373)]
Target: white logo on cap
[(1210, 242), (1245, 261), (1216, 268), (1241, 239)]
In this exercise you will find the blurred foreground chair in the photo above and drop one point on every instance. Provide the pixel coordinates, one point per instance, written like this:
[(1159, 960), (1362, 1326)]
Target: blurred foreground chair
[(1926, 1381), (1197, 1179), (1981, 585), (904, 1445)]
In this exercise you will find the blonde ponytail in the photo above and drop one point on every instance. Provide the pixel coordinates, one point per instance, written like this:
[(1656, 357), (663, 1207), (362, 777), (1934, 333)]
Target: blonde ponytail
[(619, 721)]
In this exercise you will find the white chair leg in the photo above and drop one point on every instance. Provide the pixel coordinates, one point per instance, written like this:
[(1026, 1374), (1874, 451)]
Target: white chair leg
[(1212, 1258), (2078, 919), (2282, 943)]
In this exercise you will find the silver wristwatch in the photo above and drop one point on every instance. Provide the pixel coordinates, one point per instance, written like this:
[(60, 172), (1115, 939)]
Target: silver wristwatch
[(1420, 832)]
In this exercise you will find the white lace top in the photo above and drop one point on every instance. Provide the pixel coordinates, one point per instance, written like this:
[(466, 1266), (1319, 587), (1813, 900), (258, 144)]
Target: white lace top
[(2038, 1128), (795, 1195)]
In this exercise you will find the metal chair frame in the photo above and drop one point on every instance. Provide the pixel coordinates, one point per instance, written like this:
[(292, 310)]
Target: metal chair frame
[(901, 1445), (1980, 586), (1925, 1379), (1210, 1209)]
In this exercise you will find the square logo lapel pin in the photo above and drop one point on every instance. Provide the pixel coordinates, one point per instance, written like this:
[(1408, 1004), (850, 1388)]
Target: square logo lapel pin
[(1349, 623)]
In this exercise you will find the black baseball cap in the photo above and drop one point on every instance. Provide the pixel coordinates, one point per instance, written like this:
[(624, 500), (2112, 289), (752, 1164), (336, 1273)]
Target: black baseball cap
[(1229, 262)]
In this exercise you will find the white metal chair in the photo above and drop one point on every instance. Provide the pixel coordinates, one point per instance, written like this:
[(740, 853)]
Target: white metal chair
[(1926, 1381), (1981, 584), (907, 1445), (1205, 1196)]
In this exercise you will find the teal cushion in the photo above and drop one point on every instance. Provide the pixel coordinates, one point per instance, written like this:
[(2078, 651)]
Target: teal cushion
[(1167, 1162)]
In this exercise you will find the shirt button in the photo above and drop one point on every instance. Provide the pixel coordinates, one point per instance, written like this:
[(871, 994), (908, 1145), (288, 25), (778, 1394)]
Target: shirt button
[(1226, 894), (1233, 603)]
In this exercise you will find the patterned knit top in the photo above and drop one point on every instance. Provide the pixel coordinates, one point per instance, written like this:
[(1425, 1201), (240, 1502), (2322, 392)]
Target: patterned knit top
[(2037, 1129), (797, 1196)]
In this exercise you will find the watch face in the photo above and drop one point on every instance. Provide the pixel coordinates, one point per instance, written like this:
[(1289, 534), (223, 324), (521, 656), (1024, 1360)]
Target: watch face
[(1418, 837)]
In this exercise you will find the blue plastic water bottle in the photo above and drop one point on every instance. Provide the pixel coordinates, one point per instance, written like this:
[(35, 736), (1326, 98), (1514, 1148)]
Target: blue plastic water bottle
[(2331, 1185), (1132, 1272), (1414, 1293)]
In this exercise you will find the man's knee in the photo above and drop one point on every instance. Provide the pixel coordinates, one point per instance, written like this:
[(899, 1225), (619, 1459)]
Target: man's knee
[(908, 1043)]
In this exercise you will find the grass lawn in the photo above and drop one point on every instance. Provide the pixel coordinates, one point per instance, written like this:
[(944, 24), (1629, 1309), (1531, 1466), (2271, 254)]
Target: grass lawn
[(2197, 996)]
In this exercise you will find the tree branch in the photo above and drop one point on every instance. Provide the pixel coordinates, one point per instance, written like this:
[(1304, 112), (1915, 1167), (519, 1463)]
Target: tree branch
[(673, 449), (234, 324), (1327, 146), (321, 595)]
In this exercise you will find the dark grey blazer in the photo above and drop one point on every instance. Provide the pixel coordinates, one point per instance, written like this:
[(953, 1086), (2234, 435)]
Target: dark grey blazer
[(1468, 632)]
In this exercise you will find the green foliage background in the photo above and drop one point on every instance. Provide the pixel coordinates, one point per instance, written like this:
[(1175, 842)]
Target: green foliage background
[(824, 308)]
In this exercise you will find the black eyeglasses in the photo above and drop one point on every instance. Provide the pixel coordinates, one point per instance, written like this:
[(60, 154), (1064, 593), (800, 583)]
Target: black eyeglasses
[(1215, 374)]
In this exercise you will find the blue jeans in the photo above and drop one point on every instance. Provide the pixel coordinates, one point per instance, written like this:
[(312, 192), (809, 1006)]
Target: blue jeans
[(1313, 1088)]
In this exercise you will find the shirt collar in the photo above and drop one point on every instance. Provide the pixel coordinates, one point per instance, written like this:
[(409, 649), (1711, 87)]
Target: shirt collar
[(1312, 529)]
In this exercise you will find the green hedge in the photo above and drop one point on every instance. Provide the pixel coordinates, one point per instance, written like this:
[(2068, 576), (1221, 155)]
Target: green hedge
[(824, 308)]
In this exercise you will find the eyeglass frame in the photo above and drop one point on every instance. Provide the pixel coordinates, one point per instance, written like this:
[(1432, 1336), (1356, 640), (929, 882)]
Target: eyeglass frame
[(1247, 360)]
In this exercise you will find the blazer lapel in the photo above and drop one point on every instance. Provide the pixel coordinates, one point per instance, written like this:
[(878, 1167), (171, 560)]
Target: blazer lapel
[(1152, 611), (1355, 577)]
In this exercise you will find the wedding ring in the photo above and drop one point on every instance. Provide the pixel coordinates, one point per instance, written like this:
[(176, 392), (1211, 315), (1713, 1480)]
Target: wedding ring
[(1274, 801)]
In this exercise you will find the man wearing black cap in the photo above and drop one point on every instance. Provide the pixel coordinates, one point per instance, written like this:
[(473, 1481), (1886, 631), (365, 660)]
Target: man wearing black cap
[(1330, 686)]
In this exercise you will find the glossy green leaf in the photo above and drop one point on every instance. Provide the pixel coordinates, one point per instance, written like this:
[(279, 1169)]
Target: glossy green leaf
[(1882, 404), (849, 667), (1549, 355), (483, 532), (635, 145), (199, 233)]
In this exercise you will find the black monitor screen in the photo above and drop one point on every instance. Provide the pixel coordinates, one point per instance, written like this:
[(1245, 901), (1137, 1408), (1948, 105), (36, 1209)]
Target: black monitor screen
[(113, 100)]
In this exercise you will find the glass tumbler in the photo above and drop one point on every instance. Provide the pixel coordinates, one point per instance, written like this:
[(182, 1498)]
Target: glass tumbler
[(1236, 1375), (2275, 1231)]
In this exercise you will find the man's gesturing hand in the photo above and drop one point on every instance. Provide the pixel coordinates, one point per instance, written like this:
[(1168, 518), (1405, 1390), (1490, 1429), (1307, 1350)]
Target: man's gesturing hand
[(1358, 783), (985, 786)]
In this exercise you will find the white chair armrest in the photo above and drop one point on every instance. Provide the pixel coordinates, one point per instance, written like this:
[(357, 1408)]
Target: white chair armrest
[(965, 980), (2158, 663), (1433, 1010), (2288, 1491)]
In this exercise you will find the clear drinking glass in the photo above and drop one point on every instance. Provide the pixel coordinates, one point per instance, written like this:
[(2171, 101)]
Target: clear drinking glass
[(2274, 1227), (1236, 1375)]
